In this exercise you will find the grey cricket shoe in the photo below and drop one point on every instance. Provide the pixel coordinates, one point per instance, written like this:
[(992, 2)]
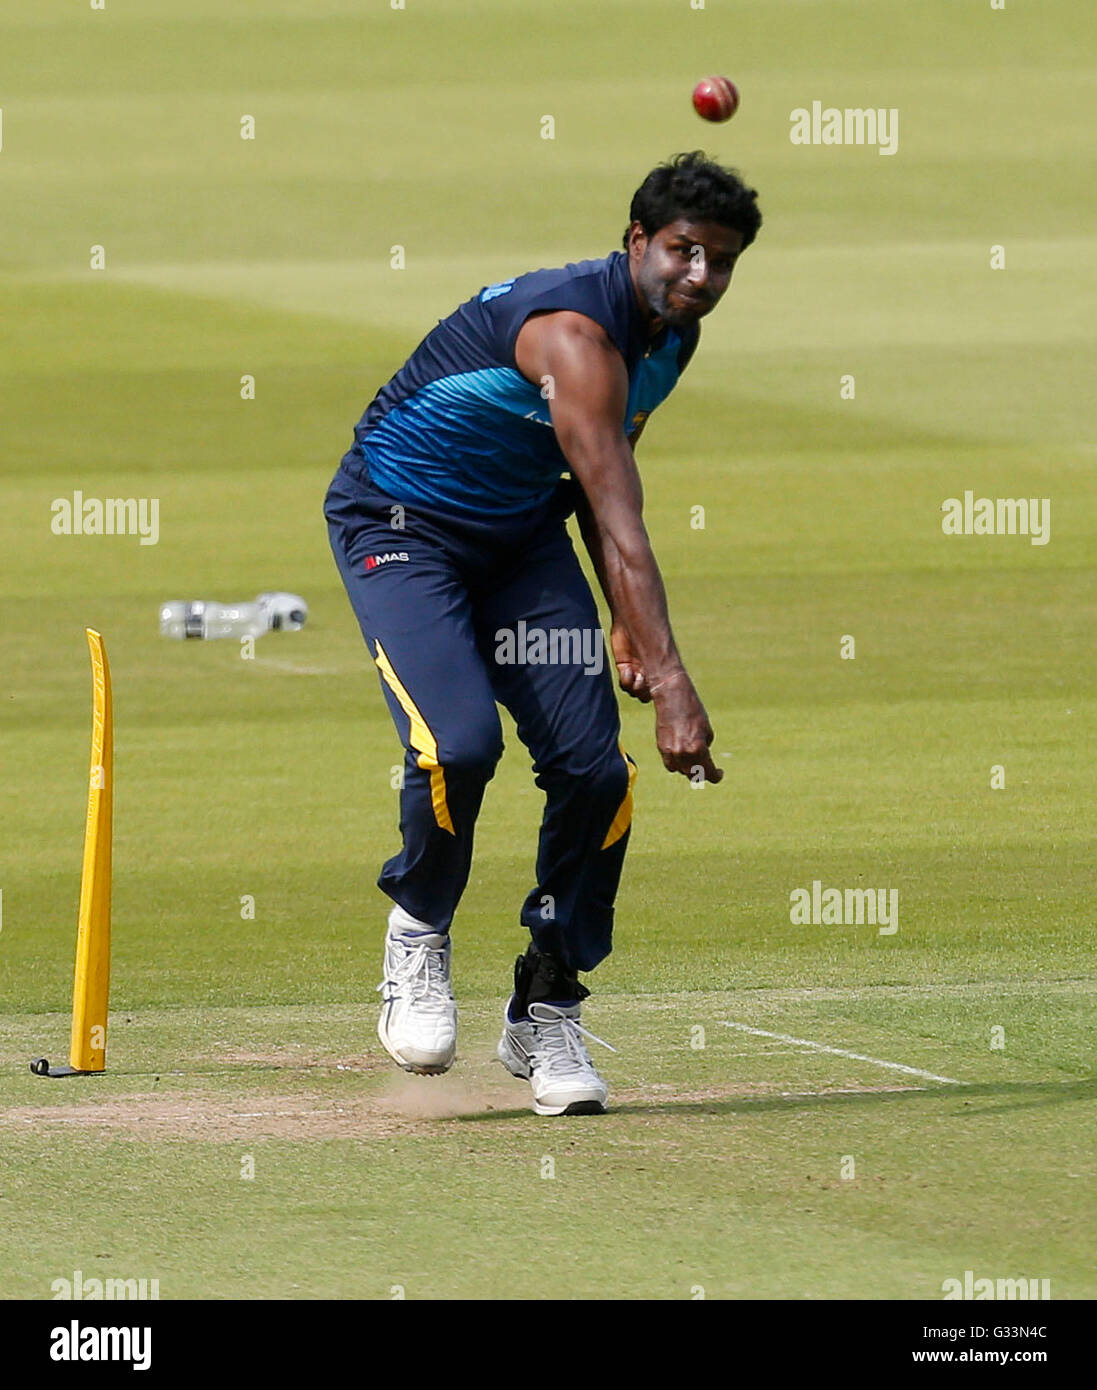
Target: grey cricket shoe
[(546, 1049)]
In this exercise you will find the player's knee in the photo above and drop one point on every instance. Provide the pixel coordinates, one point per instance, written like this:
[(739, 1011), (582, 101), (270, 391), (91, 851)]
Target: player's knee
[(601, 774), (473, 751)]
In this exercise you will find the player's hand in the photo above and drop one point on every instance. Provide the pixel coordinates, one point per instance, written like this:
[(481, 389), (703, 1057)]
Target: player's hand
[(629, 672), (682, 731)]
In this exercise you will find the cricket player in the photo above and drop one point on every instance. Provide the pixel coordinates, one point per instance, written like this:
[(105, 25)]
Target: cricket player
[(447, 518)]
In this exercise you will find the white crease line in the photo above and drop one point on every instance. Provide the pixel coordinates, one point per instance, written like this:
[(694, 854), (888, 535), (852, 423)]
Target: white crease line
[(841, 1052)]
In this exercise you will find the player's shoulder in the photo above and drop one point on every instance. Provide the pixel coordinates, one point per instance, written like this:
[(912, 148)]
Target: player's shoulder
[(587, 276), (595, 290)]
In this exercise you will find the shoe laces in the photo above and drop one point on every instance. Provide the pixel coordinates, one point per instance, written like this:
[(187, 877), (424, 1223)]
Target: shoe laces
[(421, 975), (562, 1036)]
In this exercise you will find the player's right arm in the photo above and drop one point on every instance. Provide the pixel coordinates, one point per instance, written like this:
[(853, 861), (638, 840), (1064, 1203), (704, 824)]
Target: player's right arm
[(587, 400)]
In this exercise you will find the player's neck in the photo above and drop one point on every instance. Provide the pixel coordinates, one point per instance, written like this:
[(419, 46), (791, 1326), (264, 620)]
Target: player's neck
[(653, 324)]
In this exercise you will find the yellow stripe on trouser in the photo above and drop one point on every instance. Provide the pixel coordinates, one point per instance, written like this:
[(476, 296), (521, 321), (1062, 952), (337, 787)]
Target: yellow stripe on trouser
[(422, 740), (623, 819)]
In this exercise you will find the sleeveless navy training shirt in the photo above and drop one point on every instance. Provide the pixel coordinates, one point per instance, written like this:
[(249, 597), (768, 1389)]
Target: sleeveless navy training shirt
[(459, 427)]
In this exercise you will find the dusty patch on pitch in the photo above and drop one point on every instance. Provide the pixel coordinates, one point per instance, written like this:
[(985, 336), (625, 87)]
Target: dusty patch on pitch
[(189, 1116), (447, 1097), (406, 1105)]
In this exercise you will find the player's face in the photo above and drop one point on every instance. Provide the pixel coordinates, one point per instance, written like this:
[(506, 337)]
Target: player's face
[(683, 270)]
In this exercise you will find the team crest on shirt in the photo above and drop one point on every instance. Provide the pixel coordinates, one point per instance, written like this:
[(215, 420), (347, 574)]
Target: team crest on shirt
[(373, 561)]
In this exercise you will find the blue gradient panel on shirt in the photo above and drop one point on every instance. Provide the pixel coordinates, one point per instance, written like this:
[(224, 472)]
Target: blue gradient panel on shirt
[(466, 442)]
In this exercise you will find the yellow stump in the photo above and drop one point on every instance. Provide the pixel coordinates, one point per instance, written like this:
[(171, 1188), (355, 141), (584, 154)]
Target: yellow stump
[(91, 984), (88, 1048)]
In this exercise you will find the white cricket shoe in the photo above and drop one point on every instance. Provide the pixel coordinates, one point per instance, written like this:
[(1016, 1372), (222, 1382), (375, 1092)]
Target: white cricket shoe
[(547, 1050), (418, 1023)]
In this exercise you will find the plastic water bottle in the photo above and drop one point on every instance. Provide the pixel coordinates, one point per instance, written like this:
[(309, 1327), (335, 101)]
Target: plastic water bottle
[(207, 618)]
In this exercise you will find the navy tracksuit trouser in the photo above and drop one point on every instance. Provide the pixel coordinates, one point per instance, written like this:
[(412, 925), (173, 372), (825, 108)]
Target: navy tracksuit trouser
[(436, 594)]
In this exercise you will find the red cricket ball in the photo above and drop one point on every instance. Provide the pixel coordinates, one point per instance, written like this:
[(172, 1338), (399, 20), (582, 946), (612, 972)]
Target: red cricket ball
[(716, 98)]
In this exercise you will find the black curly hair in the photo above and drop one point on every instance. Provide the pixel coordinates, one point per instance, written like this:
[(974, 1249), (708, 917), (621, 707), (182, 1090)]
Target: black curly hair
[(692, 185)]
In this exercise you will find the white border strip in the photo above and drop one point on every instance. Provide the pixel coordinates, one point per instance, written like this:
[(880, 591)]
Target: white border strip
[(841, 1052)]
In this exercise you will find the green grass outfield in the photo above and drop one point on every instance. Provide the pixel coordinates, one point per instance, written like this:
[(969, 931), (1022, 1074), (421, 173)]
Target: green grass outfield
[(763, 1164)]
